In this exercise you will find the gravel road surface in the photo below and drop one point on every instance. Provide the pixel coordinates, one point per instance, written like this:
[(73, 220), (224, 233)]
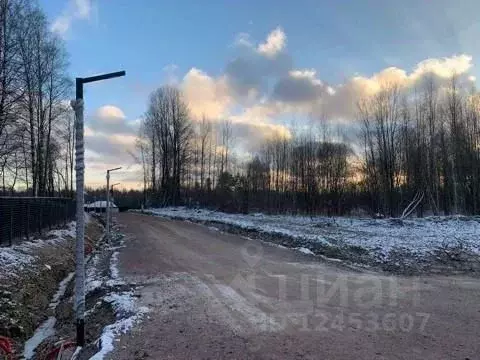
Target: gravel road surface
[(219, 296)]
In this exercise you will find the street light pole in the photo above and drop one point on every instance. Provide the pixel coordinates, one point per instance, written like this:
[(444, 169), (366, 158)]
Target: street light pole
[(78, 107), (111, 189), (107, 208)]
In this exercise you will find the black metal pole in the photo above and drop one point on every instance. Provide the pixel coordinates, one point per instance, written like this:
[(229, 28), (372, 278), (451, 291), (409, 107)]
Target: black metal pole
[(102, 77), (79, 88)]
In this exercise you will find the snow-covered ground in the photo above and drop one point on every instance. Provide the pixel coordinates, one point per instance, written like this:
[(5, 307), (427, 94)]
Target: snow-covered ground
[(381, 236), (127, 313), (124, 302), (17, 257)]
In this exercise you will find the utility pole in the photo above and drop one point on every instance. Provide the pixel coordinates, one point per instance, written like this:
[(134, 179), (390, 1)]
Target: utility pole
[(107, 208), (111, 190), (78, 107)]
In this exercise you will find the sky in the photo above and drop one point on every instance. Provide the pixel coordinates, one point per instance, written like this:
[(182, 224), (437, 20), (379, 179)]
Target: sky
[(261, 64)]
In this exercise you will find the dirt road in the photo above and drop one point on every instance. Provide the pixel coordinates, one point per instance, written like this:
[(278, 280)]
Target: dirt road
[(220, 296)]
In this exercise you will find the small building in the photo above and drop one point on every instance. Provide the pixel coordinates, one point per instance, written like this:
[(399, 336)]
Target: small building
[(100, 207)]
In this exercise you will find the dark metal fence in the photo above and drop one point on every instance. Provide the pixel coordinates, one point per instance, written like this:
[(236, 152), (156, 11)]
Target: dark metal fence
[(22, 218)]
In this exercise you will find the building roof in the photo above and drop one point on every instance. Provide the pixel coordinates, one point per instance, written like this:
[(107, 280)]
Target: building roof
[(100, 204)]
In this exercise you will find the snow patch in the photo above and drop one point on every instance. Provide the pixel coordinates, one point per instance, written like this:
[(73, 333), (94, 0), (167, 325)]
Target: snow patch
[(305, 251), (100, 204), (19, 256), (47, 328), (114, 272), (115, 278), (44, 331), (92, 285), (62, 287), (93, 280), (128, 314), (420, 236)]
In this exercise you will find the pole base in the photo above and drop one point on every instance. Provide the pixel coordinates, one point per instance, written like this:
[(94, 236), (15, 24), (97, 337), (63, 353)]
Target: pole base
[(81, 332)]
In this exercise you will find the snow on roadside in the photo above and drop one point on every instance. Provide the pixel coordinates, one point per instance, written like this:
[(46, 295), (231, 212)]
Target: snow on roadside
[(124, 303), (19, 256), (115, 278), (93, 280), (381, 236), (127, 314)]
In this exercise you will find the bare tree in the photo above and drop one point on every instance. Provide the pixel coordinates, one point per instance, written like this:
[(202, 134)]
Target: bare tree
[(226, 143), (205, 132), (167, 116)]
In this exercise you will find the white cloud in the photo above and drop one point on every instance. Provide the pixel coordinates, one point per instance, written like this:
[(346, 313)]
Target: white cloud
[(124, 139), (275, 43), (253, 70), (250, 136), (299, 86), (254, 125), (310, 74), (445, 67), (330, 90), (109, 119), (110, 140), (205, 95), (259, 113), (307, 94), (76, 9), (260, 87), (110, 112), (342, 101)]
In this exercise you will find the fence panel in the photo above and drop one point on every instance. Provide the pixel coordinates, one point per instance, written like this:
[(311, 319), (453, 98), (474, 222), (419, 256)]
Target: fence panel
[(24, 217)]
